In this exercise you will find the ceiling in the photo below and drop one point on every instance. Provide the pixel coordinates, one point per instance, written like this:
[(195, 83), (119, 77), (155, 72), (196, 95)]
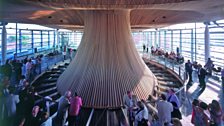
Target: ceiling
[(145, 14)]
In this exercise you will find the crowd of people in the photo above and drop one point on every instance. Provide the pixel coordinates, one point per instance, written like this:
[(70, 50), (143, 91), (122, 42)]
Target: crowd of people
[(175, 57), (140, 114), (68, 110), (14, 69), (204, 114), (17, 99), (207, 114), (16, 94), (202, 72)]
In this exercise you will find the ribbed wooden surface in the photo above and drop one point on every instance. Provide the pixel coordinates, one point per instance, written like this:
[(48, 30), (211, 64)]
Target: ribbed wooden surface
[(107, 63), (68, 14), (103, 4)]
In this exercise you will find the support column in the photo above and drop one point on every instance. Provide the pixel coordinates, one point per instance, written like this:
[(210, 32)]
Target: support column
[(57, 40), (4, 43), (207, 42), (107, 63), (155, 42), (192, 45)]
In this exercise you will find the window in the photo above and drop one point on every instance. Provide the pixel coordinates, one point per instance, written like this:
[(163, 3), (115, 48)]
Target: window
[(0, 41), (52, 38), (45, 40), (176, 40), (77, 39), (37, 39), (200, 45), (217, 45), (186, 37)]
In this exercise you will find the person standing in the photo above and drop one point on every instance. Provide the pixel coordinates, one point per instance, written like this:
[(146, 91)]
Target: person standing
[(74, 109), (174, 100), (38, 64), (62, 112), (64, 52), (201, 76), (7, 69), (142, 115), (201, 118), (164, 111), (222, 76), (144, 47), (130, 102), (11, 102), (209, 65), (28, 70), (188, 69), (216, 113), (70, 54)]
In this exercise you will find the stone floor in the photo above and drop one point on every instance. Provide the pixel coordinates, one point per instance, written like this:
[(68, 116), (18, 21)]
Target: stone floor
[(212, 91)]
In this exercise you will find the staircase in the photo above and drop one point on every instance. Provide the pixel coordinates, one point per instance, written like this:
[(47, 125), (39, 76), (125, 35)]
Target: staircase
[(165, 78), (45, 85)]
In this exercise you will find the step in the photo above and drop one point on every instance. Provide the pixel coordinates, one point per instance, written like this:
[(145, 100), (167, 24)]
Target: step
[(45, 86), (48, 92), (167, 84), (170, 79)]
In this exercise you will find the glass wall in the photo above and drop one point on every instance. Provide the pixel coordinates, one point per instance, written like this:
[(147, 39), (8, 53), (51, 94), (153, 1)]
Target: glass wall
[(0, 40), (186, 42), (139, 39), (217, 45), (76, 39), (200, 45), (189, 38)]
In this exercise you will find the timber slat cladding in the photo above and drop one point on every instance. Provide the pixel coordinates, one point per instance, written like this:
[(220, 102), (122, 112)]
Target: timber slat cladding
[(145, 14), (107, 63)]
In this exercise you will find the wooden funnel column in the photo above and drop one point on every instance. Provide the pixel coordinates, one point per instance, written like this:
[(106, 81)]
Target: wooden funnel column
[(107, 63)]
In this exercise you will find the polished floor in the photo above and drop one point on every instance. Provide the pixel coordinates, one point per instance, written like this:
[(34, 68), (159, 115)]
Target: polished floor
[(213, 91)]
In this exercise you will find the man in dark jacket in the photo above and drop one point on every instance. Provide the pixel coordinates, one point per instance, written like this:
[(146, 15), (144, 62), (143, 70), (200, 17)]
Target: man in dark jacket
[(201, 76), (188, 69)]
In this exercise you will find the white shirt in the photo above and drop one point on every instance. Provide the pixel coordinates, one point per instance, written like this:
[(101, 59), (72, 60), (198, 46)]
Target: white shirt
[(11, 102), (28, 65), (143, 114), (48, 122), (164, 111), (131, 102)]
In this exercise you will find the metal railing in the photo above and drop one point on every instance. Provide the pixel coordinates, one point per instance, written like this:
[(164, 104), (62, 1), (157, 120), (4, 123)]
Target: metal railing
[(176, 68), (167, 63), (90, 117)]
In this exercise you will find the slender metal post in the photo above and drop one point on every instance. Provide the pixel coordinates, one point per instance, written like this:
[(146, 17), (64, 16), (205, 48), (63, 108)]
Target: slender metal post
[(16, 38), (90, 117)]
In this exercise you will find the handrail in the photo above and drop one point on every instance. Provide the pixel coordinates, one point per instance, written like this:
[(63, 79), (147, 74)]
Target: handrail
[(185, 78), (90, 117), (101, 115), (125, 115)]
